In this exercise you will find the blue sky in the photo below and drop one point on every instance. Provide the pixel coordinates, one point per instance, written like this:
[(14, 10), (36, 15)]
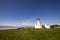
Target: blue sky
[(26, 12)]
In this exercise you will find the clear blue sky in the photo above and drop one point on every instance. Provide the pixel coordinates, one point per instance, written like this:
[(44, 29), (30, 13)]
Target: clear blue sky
[(26, 12)]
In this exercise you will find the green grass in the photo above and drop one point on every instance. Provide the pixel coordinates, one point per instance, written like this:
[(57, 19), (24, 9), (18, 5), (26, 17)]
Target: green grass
[(30, 34)]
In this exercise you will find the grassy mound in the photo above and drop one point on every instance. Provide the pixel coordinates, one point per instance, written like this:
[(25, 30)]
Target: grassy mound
[(30, 34)]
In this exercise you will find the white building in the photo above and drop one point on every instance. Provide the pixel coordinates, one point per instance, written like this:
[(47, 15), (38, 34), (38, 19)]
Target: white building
[(38, 24), (47, 26)]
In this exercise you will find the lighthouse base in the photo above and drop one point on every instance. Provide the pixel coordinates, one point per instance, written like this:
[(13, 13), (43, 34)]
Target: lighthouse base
[(38, 26)]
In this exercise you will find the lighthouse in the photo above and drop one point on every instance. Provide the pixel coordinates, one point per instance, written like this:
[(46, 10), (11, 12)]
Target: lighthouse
[(38, 24)]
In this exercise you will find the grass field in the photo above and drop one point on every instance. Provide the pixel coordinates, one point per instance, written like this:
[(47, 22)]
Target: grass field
[(30, 34)]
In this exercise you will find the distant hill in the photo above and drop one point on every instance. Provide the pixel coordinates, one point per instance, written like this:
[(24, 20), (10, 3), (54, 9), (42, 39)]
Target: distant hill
[(55, 26)]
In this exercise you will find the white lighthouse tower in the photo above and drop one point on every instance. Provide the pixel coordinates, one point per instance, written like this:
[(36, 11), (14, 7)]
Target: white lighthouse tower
[(38, 24)]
